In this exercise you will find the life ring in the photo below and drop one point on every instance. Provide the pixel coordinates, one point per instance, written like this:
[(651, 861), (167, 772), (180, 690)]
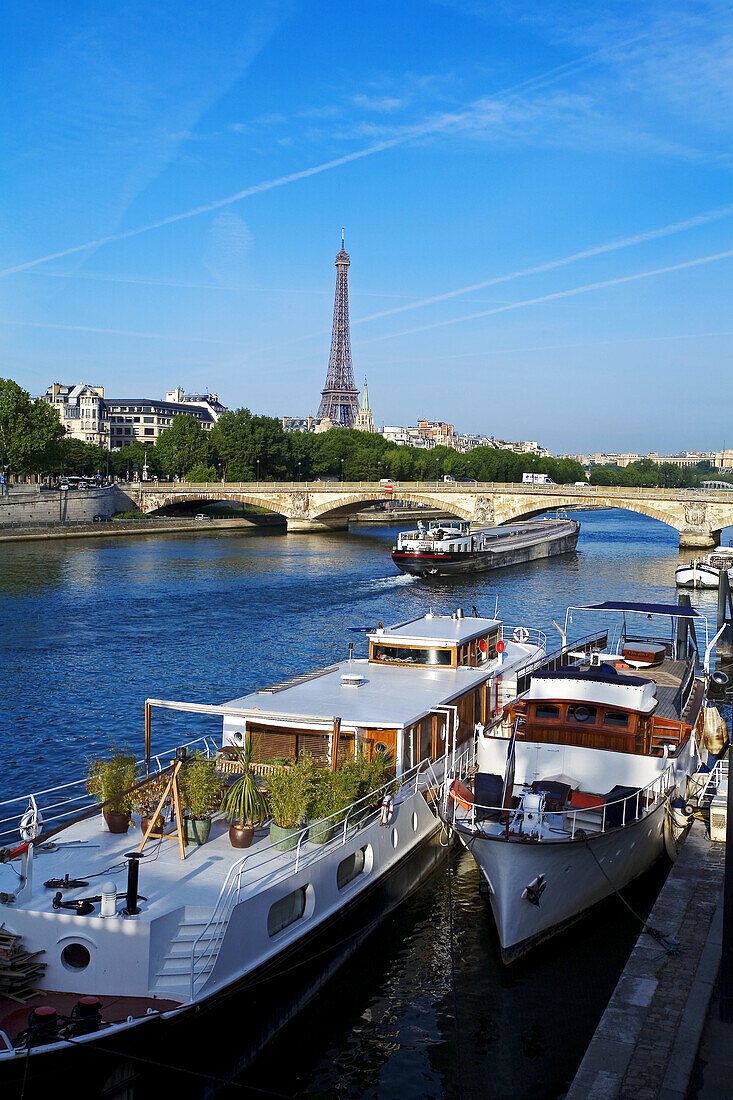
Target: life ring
[(461, 794), (31, 823), (521, 634), (386, 810)]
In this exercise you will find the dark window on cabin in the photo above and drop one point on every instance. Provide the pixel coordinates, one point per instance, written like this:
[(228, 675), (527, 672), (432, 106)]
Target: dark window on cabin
[(404, 656), (477, 705), (579, 712), (616, 718), (547, 711), (426, 737)]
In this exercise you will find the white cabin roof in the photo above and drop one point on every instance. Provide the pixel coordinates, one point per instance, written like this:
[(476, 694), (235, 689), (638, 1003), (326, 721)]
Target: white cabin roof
[(390, 696), (640, 697), (446, 630)]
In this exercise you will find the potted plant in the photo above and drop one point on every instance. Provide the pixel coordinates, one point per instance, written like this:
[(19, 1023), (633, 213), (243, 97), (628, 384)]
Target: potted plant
[(145, 800), (322, 803), (289, 794), (107, 778), (200, 787), (244, 804)]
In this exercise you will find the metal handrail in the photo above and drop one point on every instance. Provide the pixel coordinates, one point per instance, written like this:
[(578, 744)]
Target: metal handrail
[(647, 798), (80, 799), (202, 960)]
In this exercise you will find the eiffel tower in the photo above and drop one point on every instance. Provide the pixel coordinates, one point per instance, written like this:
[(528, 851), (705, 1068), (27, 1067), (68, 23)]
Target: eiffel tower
[(340, 397)]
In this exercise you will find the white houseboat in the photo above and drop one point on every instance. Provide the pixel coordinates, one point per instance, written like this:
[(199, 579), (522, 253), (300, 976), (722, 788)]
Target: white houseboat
[(111, 932), (571, 795)]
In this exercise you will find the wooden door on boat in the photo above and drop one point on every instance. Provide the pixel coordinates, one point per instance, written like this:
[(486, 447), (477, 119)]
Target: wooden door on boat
[(382, 740)]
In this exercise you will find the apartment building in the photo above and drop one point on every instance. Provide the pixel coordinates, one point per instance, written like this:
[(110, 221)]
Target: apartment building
[(81, 410)]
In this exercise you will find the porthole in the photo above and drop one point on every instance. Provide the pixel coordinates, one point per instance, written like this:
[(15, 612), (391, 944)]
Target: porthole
[(380, 747), (395, 838), (75, 956), (414, 822)]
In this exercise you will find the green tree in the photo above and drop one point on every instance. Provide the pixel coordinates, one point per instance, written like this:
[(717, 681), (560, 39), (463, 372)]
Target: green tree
[(182, 446), (30, 431), (201, 473), (249, 446)]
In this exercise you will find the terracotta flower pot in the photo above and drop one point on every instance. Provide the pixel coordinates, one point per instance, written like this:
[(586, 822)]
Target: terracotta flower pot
[(241, 836), (145, 822), (116, 823)]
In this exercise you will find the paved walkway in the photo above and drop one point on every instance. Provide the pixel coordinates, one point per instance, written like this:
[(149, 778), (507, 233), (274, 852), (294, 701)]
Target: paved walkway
[(645, 1046)]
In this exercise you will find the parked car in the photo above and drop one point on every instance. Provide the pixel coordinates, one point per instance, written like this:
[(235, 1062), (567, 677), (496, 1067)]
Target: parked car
[(99, 518), (200, 515)]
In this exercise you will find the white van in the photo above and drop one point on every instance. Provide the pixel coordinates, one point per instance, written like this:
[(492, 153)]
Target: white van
[(537, 479)]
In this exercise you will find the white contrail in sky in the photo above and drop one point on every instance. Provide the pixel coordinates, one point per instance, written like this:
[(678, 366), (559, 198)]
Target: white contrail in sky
[(118, 332), (559, 294), (434, 126), (598, 250)]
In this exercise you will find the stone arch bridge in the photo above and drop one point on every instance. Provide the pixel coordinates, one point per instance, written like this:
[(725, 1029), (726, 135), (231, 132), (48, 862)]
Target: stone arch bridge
[(697, 515)]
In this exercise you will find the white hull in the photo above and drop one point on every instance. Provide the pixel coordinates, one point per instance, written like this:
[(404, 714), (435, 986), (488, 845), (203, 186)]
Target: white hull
[(574, 880), (699, 576)]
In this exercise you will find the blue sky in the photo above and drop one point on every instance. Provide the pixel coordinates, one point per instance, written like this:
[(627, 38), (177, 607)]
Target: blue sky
[(537, 201)]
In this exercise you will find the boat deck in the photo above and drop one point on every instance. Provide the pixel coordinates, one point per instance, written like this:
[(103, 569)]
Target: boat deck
[(668, 677), (89, 852)]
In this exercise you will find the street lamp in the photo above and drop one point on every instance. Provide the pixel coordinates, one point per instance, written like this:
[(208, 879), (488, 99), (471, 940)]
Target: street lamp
[(258, 470), (342, 470), (298, 471)]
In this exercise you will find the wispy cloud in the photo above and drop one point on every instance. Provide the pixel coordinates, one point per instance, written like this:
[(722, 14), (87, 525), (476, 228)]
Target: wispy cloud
[(446, 122), (585, 254), (557, 295), (185, 338), (382, 104)]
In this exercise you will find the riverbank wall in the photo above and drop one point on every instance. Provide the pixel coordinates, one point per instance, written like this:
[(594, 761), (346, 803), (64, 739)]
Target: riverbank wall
[(647, 1041), (26, 505)]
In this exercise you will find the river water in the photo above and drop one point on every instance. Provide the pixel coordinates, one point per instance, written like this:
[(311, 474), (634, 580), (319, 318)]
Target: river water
[(424, 1008)]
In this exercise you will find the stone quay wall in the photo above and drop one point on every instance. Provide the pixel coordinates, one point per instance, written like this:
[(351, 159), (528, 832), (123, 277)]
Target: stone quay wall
[(27, 505)]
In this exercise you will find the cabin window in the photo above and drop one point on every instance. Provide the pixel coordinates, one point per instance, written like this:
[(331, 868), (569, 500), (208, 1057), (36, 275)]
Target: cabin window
[(426, 736), (351, 867), (401, 655), (616, 718), (579, 712), (286, 911), (477, 705), (547, 711)]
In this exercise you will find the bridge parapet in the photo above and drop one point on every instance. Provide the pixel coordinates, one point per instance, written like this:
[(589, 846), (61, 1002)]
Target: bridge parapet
[(697, 516)]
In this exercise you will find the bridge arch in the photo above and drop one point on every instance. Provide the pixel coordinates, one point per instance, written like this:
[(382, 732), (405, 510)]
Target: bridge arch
[(356, 502), (526, 510), (159, 506)]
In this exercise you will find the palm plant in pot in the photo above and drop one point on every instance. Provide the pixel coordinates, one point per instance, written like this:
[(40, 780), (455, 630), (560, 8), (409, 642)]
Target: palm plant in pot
[(108, 778), (244, 804), (289, 795), (200, 787)]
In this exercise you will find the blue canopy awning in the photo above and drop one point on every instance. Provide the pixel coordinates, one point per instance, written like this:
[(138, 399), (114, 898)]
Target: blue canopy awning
[(673, 610)]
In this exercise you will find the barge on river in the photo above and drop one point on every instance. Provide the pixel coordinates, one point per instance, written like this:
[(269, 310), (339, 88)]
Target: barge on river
[(95, 959), (450, 547)]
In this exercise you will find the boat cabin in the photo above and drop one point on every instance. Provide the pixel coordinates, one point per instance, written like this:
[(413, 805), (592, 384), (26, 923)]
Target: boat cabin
[(422, 678), (605, 707)]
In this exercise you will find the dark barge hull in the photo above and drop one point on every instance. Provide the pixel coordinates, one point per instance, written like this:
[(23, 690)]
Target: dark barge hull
[(422, 564)]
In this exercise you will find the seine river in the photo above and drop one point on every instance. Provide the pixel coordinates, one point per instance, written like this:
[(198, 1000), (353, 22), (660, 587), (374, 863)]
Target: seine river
[(424, 1008)]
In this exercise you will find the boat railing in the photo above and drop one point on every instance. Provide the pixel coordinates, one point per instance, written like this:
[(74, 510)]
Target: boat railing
[(54, 805), (576, 821), (427, 775), (523, 635), (562, 657), (714, 778)]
